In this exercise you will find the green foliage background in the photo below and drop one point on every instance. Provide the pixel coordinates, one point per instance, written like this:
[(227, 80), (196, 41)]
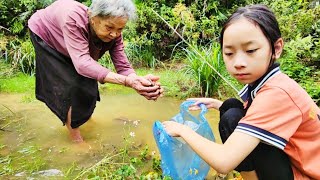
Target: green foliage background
[(151, 43)]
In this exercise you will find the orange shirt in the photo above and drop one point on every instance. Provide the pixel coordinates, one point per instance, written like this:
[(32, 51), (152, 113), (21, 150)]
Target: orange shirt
[(282, 114)]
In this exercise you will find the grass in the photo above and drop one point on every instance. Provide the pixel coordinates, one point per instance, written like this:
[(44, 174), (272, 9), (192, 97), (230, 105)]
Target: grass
[(18, 83), (13, 81), (28, 160), (175, 81)]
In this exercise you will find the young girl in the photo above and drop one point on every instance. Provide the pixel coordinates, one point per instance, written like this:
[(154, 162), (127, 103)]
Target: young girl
[(275, 134)]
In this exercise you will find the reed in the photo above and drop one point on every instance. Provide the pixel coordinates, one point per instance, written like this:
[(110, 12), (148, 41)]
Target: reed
[(208, 80)]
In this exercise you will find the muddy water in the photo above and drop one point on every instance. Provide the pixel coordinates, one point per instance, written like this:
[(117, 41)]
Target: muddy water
[(115, 117)]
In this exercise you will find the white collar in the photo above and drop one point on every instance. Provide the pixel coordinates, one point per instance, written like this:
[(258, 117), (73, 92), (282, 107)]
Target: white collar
[(244, 92)]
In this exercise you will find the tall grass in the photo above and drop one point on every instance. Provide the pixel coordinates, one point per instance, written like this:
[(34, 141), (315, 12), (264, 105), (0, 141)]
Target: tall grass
[(208, 80), (106, 61), (141, 56), (21, 55)]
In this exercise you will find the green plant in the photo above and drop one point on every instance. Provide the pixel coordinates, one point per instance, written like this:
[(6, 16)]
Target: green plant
[(291, 62), (206, 76), (5, 165), (141, 56), (17, 83), (195, 21), (15, 13), (295, 17), (106, 61), (27, 159), (22, 55), (300, 18), (126, 171), (128, 162), (315, 49), (156, 164), (313, 89), (176, 82), (35, 161), (294, 67)]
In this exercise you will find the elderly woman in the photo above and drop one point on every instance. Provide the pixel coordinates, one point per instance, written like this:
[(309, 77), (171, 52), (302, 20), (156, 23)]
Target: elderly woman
[(69, 38)]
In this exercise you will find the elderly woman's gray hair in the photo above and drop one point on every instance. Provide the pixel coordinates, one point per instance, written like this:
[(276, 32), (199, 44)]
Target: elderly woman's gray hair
[(118, 8)]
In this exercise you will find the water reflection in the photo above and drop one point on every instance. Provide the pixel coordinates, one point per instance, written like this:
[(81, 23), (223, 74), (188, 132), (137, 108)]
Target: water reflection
[(115, 117)]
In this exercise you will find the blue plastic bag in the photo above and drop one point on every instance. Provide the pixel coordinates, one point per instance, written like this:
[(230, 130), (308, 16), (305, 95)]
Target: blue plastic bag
[(178, 160)]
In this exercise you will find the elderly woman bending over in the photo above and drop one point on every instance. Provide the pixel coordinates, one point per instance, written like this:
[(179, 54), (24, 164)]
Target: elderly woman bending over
[(69, 38)]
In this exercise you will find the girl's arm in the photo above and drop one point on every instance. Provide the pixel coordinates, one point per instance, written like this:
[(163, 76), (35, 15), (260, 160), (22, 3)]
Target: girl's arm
[(221, 157), (209, 102)]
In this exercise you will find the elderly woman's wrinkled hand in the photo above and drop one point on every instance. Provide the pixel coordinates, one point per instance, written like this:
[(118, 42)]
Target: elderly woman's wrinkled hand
[(148, 88), (155, 82)]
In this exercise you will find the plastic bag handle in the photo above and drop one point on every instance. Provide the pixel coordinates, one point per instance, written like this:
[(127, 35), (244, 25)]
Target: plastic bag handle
[(184, 108)]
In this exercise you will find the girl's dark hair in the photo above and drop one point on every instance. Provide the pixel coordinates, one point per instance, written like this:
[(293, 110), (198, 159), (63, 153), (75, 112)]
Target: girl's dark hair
[(260, 15)]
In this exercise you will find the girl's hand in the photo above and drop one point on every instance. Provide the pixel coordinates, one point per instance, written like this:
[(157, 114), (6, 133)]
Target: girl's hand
[(173, 128), (208, 102)]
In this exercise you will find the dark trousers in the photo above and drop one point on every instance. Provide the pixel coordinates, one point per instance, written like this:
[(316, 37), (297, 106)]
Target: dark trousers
[(269, 162)]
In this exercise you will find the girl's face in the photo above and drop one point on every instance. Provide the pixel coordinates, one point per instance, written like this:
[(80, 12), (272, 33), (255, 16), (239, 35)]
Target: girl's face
[(246, 51), (108, 28)]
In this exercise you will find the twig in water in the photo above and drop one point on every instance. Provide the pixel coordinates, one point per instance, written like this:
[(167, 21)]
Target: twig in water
[(8, 109)]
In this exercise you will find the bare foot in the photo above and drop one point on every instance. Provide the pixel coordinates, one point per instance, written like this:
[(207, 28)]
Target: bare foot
[(75, 135), (74, 132)]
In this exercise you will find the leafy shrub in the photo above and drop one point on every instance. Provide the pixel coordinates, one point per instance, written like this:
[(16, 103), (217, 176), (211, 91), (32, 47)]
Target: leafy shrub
[(291, 64), (15, 13), (294, 67), (195, 21)]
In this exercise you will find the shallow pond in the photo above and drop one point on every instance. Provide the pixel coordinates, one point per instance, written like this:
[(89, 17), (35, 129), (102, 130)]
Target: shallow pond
[(116, 117)]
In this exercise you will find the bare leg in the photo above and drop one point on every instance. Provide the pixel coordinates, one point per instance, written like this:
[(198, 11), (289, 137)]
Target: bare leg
[(249, 175), (74, 132)]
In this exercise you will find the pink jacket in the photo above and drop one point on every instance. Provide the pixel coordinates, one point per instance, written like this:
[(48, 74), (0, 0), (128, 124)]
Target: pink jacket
[(64, 25)]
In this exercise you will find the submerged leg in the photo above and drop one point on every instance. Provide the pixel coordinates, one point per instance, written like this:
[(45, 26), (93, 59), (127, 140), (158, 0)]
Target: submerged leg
[(74, 133)]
